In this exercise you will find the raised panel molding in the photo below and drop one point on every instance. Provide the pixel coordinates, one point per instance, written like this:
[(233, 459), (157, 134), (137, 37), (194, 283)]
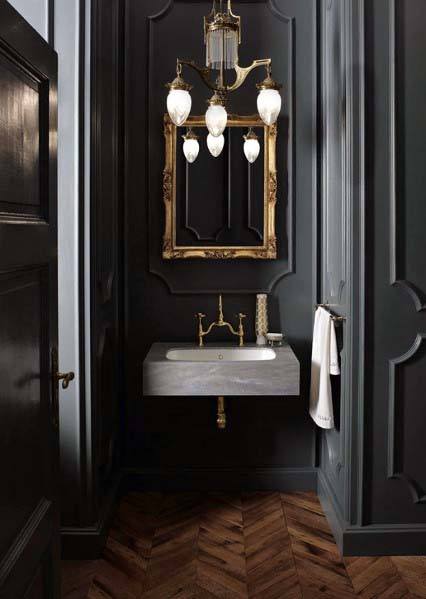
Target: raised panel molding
[(250, 222), (336, 202), (334, 176), (107, 56), (396, 274), (226, 221), (106, 286), (22, 542), (394, 471), (275, 269), (27, 105), (227, 208), (106, 401)]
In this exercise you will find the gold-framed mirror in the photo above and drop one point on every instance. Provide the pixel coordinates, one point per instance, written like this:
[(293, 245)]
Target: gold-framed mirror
[(220, 208)]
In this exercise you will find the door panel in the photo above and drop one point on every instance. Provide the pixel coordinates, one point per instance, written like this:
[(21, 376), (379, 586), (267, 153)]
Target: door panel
[(24, 338), (29, 529), (19, 153)]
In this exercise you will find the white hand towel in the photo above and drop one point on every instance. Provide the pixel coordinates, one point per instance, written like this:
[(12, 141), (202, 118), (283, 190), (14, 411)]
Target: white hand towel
[(324, 362)]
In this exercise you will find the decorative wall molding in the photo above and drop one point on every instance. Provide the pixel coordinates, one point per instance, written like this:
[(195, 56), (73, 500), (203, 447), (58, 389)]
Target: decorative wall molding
[(106, 249), (369, 540), (250, 224), (226, 221), (356, 413), (23, 542), (394, 469), (337, 200), (396, 276), (335, 177)]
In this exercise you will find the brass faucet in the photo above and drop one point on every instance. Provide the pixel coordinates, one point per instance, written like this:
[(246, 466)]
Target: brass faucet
[(220, 322)]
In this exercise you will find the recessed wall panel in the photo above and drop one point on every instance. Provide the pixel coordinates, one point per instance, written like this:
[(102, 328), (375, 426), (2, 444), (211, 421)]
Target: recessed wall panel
[(23, 378), (22, 176)]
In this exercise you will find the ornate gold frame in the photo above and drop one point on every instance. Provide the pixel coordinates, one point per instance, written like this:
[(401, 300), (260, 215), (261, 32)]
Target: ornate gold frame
[(267, 251)]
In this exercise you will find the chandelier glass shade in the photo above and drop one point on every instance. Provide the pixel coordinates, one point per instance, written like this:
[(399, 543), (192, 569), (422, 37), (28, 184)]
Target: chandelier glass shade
[(216, 116), (191, 147), (215, 144), (251, 146), (269, 105), (179, 105), (222, 37)]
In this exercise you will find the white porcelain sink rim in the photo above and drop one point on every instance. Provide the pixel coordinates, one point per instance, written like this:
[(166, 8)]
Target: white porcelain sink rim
[(221, 354)]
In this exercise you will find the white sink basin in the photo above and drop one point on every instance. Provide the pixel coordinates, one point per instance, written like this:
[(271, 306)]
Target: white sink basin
[(221, 354)]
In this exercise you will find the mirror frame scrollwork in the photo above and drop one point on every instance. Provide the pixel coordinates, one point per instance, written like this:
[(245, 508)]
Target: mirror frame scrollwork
[(267, 251)]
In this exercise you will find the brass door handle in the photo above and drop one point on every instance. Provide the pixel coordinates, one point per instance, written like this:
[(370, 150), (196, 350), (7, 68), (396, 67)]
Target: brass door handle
[(65, 378)]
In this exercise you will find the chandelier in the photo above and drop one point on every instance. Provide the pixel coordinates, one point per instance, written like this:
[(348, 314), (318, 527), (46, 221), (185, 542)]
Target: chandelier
[(222, 36)]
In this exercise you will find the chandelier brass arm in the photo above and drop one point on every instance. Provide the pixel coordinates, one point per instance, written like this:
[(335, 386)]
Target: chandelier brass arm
[(204, 72), (241, 73)]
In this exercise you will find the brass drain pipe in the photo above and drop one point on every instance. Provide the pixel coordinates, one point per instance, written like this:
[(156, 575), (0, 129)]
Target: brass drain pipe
[(221, 415)]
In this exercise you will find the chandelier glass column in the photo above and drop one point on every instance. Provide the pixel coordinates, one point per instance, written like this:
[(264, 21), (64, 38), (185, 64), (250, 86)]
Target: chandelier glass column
[(222, 37)]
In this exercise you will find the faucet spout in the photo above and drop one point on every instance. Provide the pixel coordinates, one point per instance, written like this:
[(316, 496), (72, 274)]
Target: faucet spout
[(220, 322)]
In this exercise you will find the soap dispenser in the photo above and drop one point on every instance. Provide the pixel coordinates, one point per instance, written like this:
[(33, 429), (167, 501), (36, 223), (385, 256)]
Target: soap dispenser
[(261, 318)]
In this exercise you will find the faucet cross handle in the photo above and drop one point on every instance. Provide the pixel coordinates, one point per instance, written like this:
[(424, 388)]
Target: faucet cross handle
[(241, 316), (201, 333)]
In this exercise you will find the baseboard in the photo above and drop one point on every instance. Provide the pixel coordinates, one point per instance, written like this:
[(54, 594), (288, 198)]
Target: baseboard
[(372, 539), (220, 479), (88, 542), (386, 539)]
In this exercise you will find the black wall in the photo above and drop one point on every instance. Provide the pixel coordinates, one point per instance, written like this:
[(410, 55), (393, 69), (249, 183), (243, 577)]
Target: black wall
[(269, 437)]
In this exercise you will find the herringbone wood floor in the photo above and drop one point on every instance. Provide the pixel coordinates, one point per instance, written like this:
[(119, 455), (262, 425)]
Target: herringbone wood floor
[(255, 545)]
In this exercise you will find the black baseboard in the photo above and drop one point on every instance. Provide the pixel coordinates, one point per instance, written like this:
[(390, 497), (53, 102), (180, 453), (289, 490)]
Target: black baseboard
[(220, 479), (88, 542), (370, 540)]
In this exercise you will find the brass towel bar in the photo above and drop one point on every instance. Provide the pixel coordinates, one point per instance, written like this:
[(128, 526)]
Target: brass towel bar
[(333, 316)]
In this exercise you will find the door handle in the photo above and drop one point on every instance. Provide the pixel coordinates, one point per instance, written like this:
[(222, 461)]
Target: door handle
[(57, 376), (66, 378)]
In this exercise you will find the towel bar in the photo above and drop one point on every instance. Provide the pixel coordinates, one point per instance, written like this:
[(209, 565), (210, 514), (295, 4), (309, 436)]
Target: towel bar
[(333, 316)]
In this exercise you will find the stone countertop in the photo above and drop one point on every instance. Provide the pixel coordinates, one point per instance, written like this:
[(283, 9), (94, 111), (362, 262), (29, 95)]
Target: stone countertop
[(163, 377)]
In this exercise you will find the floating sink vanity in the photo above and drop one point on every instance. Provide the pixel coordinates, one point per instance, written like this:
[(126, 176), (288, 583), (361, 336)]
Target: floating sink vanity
[(221, 370)]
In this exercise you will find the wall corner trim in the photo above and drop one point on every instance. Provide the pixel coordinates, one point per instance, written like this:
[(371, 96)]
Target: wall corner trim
[(88, 542), (371, 539)]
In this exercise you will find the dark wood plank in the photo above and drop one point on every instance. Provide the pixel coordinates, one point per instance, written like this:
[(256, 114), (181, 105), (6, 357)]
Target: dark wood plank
[(271, 571), (239, 546), (221, 562), (321, 571)]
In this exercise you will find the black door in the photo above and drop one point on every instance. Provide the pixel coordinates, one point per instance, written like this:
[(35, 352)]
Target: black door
[(29, 527)]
